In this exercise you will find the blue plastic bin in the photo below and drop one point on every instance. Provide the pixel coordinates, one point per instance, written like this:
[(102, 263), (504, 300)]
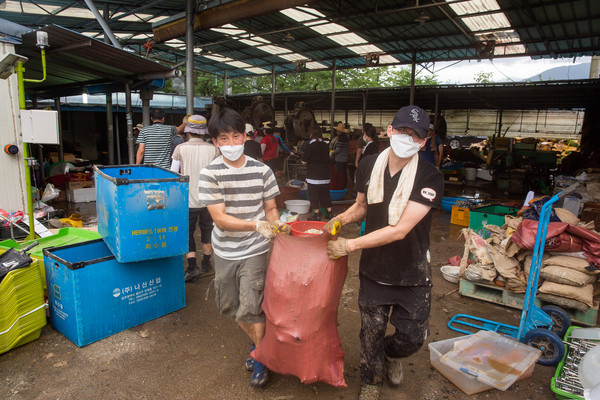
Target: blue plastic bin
[(142, 211), (91, 295)]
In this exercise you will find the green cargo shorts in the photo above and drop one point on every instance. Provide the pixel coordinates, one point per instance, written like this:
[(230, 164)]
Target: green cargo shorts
[(239, 286)]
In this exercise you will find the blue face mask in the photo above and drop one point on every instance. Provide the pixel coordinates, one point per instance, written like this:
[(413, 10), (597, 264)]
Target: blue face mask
[(403, 145)]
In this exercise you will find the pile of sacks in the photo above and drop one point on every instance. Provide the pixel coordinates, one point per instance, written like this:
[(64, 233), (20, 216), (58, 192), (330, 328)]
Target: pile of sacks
[(569, 266)]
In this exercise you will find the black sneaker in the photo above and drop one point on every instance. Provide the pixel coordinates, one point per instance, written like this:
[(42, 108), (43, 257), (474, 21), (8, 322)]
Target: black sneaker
[(192, 273), (205, 266)]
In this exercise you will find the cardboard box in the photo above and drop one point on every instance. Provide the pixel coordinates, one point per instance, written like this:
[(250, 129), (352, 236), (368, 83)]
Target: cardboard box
[(81, 195), (68, 157)]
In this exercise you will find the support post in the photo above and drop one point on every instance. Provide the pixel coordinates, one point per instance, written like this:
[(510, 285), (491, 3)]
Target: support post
[(61, 149), (128, 118), (225, 84), (110, 129), (273, 86), (189, 54), (333, 71), (103, 24), (146, 94), (364, 107), (412, 78)]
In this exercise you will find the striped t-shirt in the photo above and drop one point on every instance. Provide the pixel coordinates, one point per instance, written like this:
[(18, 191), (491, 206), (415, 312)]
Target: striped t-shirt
[(243, 190), (157, 139)]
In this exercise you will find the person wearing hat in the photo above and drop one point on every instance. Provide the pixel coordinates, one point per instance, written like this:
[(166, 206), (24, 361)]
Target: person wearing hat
[(155, 140), (188, 159), (396, 192), (434, 147), (340, 153)]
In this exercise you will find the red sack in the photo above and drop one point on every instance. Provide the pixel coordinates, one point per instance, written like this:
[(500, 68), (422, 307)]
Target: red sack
[(561, 237), (302, 293)]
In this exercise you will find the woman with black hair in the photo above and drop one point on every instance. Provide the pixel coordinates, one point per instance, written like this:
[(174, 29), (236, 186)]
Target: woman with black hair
[(370, 137), (316, 157)]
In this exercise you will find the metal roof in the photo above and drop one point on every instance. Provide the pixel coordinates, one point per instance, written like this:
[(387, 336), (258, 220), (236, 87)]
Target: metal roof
[(74, 60), (257, 39)]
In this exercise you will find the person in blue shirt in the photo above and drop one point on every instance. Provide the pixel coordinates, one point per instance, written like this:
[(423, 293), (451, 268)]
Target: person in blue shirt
[(434, 148)]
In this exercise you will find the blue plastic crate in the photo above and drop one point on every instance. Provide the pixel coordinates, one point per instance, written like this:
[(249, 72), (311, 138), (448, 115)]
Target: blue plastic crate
[(91, 295), (142, 211)]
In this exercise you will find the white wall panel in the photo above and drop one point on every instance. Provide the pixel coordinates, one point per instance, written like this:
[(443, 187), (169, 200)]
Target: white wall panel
[(12, 169)]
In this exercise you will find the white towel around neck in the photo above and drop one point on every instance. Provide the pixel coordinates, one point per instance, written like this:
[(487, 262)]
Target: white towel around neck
[(403, 190)]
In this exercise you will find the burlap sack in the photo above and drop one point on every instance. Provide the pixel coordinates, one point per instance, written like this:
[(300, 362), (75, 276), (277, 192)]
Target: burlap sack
[(566, 276), (563, 302), (574, 263), (566, 216), (583, 294), (481, 273)]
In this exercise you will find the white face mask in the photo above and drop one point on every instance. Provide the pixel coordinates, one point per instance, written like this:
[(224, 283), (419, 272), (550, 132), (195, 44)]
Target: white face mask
[(403, 145), (232, 153), (365, 138)]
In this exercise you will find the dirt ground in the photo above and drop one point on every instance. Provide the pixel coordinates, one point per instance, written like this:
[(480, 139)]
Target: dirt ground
[(195, 353)]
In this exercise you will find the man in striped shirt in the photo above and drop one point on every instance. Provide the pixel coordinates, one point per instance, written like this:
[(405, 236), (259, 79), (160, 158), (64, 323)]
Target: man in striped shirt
[(239, 193), (155, 141)]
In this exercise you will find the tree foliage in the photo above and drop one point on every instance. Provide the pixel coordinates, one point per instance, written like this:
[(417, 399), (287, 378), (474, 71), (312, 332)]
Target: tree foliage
[(484, 77), (209, 85)]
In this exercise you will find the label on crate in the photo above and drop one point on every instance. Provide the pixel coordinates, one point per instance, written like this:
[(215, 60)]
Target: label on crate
[(139, 291), (155, 199), (155, 237)]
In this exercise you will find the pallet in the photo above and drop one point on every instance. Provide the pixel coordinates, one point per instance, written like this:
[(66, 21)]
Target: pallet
[(499, 295)]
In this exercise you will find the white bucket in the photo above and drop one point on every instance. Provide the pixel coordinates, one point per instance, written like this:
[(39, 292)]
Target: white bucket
[(470, 174)]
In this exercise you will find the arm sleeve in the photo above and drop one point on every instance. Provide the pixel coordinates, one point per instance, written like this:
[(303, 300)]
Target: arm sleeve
[(271, 188), (175, 166), (429, 186), (209, 191), (282, 144), (141, 137)]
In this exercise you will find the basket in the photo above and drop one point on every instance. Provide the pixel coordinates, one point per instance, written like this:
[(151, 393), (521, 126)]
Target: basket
[(299, 228)]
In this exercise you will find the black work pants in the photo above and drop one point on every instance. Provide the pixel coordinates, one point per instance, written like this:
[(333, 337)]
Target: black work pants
[(319, 196), (409, 315)]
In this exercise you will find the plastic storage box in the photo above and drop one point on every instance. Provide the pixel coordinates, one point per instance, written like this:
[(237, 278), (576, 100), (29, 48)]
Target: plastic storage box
[(464, 381), (142, 211), (491, 358), (91, 295), (22, 307), (490, 215), (63, 237)]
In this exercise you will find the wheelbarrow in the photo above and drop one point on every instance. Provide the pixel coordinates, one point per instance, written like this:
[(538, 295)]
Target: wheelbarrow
[(542, 328)]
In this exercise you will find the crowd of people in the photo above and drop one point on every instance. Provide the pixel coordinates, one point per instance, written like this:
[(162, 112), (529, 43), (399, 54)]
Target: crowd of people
[(232, 170)]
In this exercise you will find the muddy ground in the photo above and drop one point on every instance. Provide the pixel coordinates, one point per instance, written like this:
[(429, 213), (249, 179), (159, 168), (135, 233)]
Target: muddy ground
[(195, 353)]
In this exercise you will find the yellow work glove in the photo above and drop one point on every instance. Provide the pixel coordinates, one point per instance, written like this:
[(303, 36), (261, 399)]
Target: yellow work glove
[(281, 227), (337, 248), (265, 228), (333, 227)]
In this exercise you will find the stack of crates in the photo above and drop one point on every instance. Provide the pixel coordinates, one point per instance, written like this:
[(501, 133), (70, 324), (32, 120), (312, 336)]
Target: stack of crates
[(63, 237), (22, 307), (135, 273)]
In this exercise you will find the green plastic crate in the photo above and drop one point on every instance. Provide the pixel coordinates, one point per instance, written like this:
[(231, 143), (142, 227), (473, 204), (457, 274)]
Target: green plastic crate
[(561, 394), (489, 215), (22, 307), (63, 237)]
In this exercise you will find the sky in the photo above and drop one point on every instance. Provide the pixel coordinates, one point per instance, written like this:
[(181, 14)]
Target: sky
[(504, 69)]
